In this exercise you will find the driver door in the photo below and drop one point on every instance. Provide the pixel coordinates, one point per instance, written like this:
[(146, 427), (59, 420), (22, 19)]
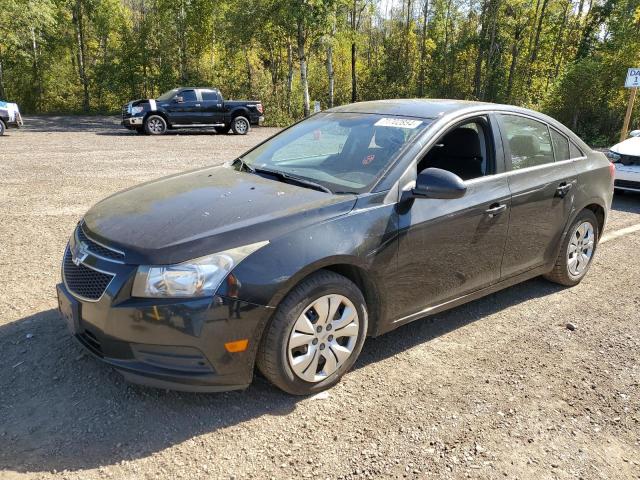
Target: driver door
[(452, 247), (184, 108)]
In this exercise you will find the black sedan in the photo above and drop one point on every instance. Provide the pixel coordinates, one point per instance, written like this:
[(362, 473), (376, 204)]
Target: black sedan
[(346, 225)]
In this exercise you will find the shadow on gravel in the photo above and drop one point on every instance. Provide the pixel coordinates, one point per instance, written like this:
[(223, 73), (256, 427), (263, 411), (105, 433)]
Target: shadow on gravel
[(168, 133), (63, 410), (626, 202)]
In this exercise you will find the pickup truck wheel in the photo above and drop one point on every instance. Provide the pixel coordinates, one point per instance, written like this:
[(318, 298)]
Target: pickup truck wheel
[(2, 128), (155, 125), (240, 126), (222, 130)]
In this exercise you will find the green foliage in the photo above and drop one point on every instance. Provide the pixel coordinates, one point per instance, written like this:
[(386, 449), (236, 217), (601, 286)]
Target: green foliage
[(565, 57)]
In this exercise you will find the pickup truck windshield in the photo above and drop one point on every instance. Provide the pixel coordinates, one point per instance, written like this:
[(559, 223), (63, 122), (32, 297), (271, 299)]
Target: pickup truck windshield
[(345, 152), (166, 96)]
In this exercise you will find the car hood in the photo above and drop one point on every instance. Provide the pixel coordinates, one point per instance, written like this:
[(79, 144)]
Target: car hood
[(630, 146), (196, 213)]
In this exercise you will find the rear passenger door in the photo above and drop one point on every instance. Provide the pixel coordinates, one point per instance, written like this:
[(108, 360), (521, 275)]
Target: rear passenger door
[(542, 180), (212, 111)]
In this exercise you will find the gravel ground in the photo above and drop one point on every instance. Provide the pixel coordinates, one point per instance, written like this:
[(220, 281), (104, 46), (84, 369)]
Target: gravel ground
[(498, 388)]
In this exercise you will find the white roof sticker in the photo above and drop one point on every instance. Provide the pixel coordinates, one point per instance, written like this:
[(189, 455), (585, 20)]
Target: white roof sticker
[(398, 123)]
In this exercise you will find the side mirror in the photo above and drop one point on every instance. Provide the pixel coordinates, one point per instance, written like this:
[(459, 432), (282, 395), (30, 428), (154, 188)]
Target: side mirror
[(178, 100), (438, 183), (634, 133)]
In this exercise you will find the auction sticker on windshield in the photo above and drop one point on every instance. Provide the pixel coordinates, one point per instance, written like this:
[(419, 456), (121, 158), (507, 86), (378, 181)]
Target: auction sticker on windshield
[(398, 123)]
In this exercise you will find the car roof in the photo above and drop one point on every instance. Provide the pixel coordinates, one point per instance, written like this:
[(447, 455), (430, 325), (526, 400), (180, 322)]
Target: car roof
[(411, 107)]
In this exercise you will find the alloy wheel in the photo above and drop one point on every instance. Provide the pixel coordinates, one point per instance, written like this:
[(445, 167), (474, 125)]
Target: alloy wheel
[(580, 249), (241, 126), (323, 338), (156, 125)]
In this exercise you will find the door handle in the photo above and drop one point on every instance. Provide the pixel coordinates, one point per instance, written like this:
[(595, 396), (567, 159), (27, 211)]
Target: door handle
[(495, 209), (564, 188)]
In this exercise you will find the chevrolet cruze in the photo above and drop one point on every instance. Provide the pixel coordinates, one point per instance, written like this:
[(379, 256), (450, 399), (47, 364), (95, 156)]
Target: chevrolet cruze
[(346, 225)]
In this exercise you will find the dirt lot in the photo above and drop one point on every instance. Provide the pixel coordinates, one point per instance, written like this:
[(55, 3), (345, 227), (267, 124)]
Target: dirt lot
[(499, 388)]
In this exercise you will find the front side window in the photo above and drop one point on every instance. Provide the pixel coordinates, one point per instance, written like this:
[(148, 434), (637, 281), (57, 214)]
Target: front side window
[(188, 95), (528, 140), (345, 152), (560, 146), (463, 151)]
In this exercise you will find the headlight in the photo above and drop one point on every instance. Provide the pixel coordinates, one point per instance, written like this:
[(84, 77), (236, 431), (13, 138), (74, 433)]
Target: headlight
[(136, 110), (613, 156), (195, 278)]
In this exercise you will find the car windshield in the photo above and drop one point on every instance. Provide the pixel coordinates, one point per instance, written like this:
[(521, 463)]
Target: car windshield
[(167, 95), (344, 152)]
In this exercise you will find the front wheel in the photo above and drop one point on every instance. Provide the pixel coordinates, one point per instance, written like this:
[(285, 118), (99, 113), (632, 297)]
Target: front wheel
[(577, 250), (315, 335), (155, 125), (240, 126), (2, 128)]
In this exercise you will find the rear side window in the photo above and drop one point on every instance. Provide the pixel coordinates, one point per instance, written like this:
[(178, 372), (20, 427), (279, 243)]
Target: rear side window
[(560, 146), (574, 151), (528, 141), (209, 95)]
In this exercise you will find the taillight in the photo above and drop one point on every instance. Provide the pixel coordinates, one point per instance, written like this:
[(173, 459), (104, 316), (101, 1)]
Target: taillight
[(259, 108)]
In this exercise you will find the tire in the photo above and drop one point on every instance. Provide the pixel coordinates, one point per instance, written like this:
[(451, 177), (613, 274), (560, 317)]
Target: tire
[(222, 130), (155, 125), (240, 125), (2, 128), (570, 272), (297, 320)]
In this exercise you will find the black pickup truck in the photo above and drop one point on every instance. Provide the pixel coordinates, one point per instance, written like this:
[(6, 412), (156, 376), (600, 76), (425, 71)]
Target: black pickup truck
[(188, 107)]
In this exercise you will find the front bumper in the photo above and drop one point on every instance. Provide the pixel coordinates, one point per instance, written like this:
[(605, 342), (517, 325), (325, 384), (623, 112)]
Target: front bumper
[(627, 177), (169, 344), (132, 122)]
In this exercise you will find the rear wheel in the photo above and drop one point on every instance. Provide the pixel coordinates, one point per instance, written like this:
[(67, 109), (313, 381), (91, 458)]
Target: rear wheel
[(223, 130), (240, 126), (315, 335), (155, 125), (577, 250)]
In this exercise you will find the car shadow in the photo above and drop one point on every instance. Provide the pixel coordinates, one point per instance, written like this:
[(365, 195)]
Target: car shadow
[(626, 202), (56, 401)]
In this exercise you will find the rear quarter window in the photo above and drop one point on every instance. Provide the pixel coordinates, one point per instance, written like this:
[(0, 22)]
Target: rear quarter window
[(560, 146), (574, 151)]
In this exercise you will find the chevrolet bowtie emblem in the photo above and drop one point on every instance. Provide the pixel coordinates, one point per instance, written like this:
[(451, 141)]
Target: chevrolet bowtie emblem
[(79, 253)]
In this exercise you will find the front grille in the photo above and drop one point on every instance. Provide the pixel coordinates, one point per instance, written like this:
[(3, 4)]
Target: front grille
[(629, 160), (96, 248), (83, 281), (626, 184)]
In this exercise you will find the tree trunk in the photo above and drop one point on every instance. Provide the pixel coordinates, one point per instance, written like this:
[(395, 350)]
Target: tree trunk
[(289, 75), (423, 48), (79, 24), (354, 79), (37, 83), (303, 68), (330, 73), (2, 90), (477, 76)]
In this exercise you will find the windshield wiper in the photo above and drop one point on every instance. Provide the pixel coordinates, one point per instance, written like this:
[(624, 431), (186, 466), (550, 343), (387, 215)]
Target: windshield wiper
[(292, 178)]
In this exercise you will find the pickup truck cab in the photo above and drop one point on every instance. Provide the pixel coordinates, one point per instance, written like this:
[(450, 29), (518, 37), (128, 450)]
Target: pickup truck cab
[(188, 107)]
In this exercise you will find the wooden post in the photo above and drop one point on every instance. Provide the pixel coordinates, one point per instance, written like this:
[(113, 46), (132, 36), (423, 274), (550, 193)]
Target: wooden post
[(627, 117)]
